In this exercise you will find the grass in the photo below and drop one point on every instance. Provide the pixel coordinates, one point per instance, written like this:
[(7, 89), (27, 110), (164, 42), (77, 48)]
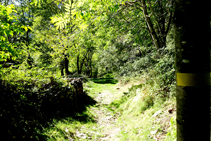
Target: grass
[(134, 111), (97, 86), (137, 124), (70, 128), (136, 119)]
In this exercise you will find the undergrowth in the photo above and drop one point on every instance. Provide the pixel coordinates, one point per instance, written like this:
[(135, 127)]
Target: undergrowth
[(28, 104)]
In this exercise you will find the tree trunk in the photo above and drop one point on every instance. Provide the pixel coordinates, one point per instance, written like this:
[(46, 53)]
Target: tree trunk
[(192, 38), (66, 64), (29, 60), (78, 68), (80, 64), (150, 25), (91, 70), (90, 64)]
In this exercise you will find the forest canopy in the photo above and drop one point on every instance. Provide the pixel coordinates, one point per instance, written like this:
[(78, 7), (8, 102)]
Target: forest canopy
[(89, 37)]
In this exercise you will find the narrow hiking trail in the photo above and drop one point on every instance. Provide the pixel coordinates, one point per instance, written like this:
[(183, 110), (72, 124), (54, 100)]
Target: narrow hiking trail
[(118, 121), (99, 122), (105, 119)]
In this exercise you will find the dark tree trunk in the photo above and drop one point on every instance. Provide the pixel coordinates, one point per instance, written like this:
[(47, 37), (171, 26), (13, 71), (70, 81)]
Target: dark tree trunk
[(29, 60), (61, 66), (62, 71), (90, 64), (150, 26), (66, 64), (78, 68), (192, 37), (80, 64)]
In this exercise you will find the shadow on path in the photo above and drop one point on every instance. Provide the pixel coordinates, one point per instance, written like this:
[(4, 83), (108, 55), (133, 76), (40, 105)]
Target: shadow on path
[(104, 80)]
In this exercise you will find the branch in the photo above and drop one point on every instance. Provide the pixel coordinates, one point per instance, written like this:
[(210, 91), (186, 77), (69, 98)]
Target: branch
[(150, 8), (170, 18), (134, 3), (131, 3), (150, 26)]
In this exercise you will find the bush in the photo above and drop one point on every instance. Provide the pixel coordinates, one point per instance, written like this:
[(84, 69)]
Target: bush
[(26, 106), (162, 73)]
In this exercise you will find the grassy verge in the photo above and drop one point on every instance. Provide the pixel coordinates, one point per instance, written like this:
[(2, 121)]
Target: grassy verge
[(144, 116)]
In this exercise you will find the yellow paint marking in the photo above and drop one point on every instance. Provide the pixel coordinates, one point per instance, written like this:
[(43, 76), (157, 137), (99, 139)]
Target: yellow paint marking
[(192, 79)]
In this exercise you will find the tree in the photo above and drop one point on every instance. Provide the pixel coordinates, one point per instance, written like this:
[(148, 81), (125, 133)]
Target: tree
[(192, 40), (10, 30), (25, 18), (157, 16)]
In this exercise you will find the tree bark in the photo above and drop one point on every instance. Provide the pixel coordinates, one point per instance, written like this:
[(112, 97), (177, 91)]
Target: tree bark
[(66, 64), (163, 21), (80, 64), (192, 37), (150, 25), (90, 64), (78, 68)]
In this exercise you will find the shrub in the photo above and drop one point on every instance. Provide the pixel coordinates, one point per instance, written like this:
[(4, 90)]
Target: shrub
[(26, 106)]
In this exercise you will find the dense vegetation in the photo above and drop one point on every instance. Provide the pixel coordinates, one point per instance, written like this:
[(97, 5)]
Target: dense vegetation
[(43, 43)]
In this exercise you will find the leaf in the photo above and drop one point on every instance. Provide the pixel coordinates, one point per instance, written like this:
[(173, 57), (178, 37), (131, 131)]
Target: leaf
[(29, 28), (11, 33), (83, 26), (26, 29), (5, 33), (67, 7)]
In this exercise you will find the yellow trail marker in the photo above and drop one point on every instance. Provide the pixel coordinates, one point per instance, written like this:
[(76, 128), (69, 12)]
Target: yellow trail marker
[(193, 79)]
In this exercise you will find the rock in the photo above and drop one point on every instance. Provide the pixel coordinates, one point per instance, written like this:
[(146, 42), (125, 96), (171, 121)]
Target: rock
[(154, 132), (70, 139), (156, 113), (81, 135), (78, 85)]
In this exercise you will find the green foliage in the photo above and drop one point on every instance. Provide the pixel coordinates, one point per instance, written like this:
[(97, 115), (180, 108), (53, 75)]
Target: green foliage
[(35, 109), (28, 105), (107, 39), (162, 73), (125, 98), (172, 135), (9, 28)]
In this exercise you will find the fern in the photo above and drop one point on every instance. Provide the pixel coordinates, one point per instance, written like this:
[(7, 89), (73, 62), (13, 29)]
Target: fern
[(61, 20)]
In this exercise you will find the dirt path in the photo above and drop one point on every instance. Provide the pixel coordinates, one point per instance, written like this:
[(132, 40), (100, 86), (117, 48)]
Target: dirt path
[(106, 120)]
